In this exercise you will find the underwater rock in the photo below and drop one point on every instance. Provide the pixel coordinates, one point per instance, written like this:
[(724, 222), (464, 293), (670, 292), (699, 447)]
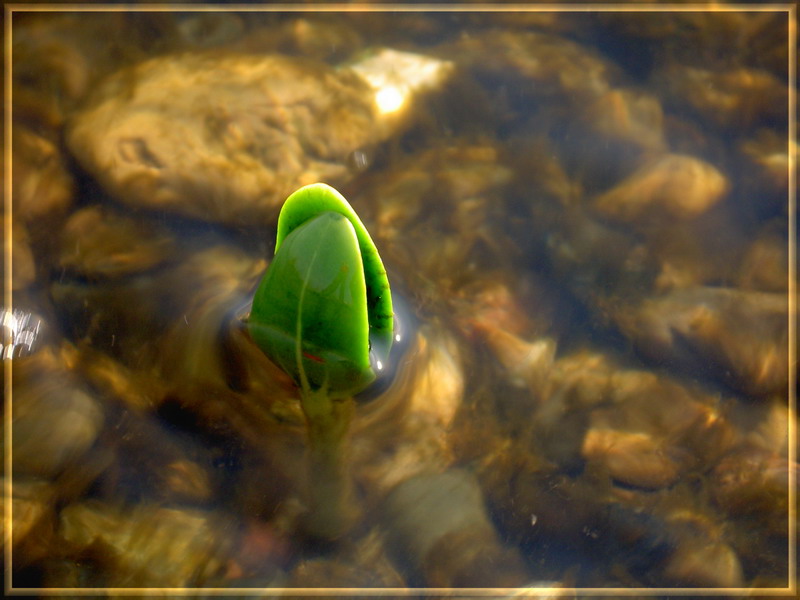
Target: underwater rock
[(211, 377), (634, 458), (604, 263), (702, 561), (741, 334), (613, 135), (591, 257), (136, 390), (363, 564), (511, 82), (337, 573), (145, 545), (754, 482), (32, 525), (703, 38), (765, 265), (151, 461), (187, 481), (767, 151), (614, 246), (438, 526), (549, 66), (751, 485), (656, 432), (42, 187), (751, 481), (224, 138), (221, 138), (454, 191), (54, 419), (739, 97), (98, 242), (526, 363), (705, 251), (676, 186), (765, 171), (643, 430), (51, 72), (59, 57), (770, 426)]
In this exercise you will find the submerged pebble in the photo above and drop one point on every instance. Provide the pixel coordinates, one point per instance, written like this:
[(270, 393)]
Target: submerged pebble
[(227, 137), (31, 534), (438, 524), (54, 418), (97, 242), (42, 186), (741, 334), (222, 137), (549, 66), (675, 186), (145, 546)]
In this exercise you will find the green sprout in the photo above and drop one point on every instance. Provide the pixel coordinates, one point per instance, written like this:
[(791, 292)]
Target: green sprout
[(323, 313)]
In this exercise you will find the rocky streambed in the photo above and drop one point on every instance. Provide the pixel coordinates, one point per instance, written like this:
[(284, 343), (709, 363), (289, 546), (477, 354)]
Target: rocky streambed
[(586, 215)]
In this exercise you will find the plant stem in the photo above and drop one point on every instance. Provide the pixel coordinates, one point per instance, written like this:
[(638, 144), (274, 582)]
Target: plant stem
[(332, 505)]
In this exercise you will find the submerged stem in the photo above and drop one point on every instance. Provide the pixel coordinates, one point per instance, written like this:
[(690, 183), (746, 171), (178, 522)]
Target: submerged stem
[(333, 508)]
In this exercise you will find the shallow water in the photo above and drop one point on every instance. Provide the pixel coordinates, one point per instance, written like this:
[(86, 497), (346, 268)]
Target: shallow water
[(586, 215)]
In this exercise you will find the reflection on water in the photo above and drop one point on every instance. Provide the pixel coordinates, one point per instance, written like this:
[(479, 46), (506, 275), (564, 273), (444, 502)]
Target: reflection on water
[(586, 214)]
